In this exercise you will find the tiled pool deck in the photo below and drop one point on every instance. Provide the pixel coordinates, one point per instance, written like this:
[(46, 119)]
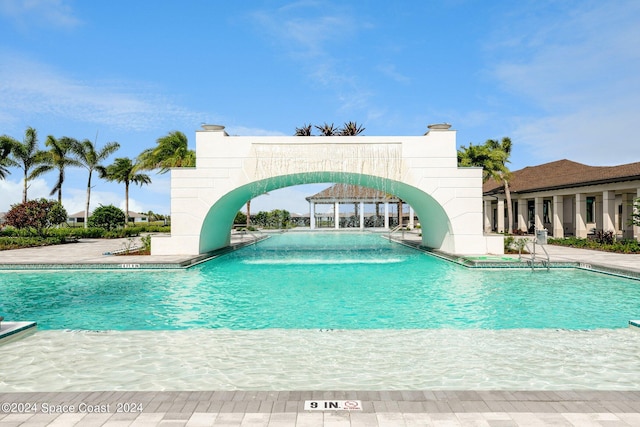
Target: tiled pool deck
[(286, 408)]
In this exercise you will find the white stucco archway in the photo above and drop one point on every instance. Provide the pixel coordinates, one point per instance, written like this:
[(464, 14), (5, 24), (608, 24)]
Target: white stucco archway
[(421, 170)]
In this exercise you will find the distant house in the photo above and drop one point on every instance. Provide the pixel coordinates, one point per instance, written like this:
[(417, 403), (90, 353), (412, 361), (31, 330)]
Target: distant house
[(566, 198), (77, 219)]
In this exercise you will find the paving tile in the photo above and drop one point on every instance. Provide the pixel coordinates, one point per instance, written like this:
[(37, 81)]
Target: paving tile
[(390, 419), (201, 419), (363, 419), (228, 419), (475, 419), (309, 419), (283, 419), (255, 420), (336, 419)]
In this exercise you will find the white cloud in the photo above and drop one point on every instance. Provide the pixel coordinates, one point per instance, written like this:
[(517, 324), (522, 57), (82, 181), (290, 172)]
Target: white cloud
[(44, 13), (580, 70), (11, 191), (29, 87)]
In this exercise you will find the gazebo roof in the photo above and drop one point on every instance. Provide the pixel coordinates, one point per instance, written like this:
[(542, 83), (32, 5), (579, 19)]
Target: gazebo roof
[(561, 174), (351, 193)]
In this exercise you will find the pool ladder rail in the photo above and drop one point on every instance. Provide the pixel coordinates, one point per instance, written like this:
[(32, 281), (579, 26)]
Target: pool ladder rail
[(545, 261)]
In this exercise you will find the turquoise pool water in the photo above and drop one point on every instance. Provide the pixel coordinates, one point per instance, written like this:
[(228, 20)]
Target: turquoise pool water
[(320, 281)]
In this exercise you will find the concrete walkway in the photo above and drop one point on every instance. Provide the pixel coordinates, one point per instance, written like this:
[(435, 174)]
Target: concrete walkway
[(287, 408)]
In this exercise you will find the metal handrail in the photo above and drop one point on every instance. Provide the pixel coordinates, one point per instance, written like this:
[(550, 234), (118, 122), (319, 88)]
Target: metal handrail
[(545, 262), (396, 228)]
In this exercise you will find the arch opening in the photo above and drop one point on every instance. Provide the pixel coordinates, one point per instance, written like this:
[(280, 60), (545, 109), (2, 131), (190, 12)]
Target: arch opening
[(215, 231)]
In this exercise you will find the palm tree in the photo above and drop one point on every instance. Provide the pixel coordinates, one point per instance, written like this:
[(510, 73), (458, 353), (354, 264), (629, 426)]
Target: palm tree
[(305, 130), (172, 151), (26, 155), (351, 129), (327, 130), (124, 170), (57, 158), (492, 156), (91, 160), (5, 150)]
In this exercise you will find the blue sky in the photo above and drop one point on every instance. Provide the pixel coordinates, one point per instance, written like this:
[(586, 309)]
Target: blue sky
[(561, 78)]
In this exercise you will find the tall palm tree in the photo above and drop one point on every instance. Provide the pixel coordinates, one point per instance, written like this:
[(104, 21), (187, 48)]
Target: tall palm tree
[(492, 156), (5, 150), (351, 129), (58, 158), (91, 159), (124, 170), (26, 155), (172, 151)]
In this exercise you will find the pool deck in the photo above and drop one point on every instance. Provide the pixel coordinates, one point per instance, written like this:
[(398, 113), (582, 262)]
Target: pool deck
[(497, 408)]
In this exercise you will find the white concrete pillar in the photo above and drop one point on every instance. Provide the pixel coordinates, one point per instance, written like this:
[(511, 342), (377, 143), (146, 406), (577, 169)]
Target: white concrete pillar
[(336, 215), (487, 216), (558, 217), (636, 228), (411, 215), (627, 210), (386, 214), (500, 215), (522, 214), (538, 212), (609, 211), (581, 216), (312, 215), (598, 212), (361, 215)]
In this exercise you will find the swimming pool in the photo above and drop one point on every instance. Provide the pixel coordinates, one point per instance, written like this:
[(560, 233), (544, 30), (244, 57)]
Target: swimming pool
[(320, 281), (270, 318)]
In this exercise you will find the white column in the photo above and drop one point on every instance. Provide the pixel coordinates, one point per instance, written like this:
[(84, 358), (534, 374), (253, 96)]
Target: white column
[(386, 214), (636, 228), (522, 214), (336, 215), (627, 210), (538, 209), (312, 215), (361, 215), (609, 211), (500, 214), (411, 215), (487, 216), (581, 216), (598, 212), (558, 217)]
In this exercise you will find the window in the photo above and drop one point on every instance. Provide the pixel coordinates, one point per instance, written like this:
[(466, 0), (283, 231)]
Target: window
[(591, 204)]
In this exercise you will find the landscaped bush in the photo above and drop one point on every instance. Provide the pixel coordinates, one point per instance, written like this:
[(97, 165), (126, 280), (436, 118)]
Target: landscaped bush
[(36, 215), (107, 217), (28, 242), (627, 246)]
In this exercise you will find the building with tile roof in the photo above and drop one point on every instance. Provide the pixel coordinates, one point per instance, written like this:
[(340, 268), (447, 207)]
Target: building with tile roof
[(566, 198), (381, 206)]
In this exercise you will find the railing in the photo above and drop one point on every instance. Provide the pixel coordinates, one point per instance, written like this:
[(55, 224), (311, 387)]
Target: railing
[(395, 229), (546, 262), (244, 232)]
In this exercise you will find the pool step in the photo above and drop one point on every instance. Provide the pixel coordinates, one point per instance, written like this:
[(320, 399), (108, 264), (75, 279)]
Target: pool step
[(10, 331)]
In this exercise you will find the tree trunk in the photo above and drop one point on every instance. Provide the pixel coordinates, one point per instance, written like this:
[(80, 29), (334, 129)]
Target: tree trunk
[(24, 190), (126, 204), (248, 213), (507, 195), (86, 208)]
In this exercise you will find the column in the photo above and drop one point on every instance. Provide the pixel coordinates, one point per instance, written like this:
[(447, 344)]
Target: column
[(538, 212), (411, 215), (522, 214), (558, 217), (636, 228), (581, 216), (487, 216), (312, 215), (500, 214), (609, 211), (336, 215), (598, 212), (627, 210), (361, 215), (386, 215)]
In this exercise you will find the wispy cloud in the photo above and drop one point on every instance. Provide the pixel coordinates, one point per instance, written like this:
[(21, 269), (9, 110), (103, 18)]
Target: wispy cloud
[(43, 13), (313, 34), (579, 69), (32, 88)]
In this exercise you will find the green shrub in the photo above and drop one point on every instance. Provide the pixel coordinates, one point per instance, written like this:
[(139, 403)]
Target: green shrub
[(107, 217), (36, 215)]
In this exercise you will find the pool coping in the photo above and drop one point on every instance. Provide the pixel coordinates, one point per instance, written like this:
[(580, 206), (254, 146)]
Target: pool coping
[(11, 330)]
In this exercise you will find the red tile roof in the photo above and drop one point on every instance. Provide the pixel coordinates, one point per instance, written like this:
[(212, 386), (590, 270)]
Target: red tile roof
[(561, 174)]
